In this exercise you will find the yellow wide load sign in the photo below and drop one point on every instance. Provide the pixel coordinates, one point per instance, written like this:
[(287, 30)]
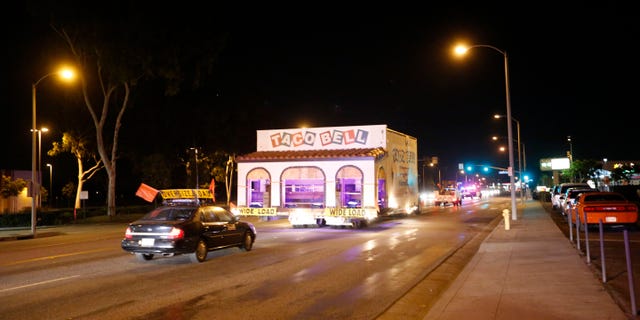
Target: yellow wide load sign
[(345, 212), (186, 194), (257, 211)]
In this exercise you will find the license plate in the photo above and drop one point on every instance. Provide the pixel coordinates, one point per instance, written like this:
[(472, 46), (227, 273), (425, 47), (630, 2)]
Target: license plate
[(147, 242), (610, 219)]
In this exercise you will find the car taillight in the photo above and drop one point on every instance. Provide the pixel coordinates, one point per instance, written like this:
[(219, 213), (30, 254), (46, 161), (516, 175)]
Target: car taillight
[(128, 234), (175, 234), (611, 208)]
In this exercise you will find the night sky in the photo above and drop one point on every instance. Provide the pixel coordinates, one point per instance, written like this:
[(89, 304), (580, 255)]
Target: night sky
[(573, 72)]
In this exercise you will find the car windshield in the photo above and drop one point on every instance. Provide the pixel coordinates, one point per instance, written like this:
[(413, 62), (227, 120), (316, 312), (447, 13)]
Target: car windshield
[(169, 214), (575, 193), (604, 197)]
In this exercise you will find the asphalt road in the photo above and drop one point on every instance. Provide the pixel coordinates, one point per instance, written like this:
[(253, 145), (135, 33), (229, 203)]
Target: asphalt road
[(82, 273)]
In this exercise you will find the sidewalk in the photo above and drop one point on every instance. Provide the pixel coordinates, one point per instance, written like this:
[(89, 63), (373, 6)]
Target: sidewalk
[(531, 271)]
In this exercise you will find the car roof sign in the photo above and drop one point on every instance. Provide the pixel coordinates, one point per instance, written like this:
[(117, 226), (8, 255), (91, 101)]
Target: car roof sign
[(186, 194)]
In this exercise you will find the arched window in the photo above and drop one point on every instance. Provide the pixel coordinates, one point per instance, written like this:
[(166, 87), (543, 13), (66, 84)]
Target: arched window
[(349, 187), (303, 187), (259, 188)]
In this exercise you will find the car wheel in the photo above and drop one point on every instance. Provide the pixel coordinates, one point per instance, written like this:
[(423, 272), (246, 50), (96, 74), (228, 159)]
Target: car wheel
[(144, 256), (247, 241), (200, 255)]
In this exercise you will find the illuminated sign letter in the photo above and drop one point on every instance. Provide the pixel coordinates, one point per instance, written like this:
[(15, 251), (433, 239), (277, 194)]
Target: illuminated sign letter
[(309, 138), (325, 138), (349, 137), (337, 137), (286, 139), (296, 139), (275, 140), (361, 137)]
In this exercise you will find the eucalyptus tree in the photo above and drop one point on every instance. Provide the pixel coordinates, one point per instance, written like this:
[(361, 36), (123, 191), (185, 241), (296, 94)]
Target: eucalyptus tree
[(80, 147), (118, 47)]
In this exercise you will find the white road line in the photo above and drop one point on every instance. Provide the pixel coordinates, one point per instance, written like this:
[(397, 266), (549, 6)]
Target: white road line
[(38, 283)]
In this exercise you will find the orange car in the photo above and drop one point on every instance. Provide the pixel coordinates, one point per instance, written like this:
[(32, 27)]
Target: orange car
[(610, 207)]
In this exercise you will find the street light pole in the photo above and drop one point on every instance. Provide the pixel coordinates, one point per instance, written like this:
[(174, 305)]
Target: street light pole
[(197, 174), (40, 163), (521, 164), (34, 181), (50, 184), (424, 184), (462, 50), (439, 175), (35, 187), (524, 158), (570, 149), (519, 160)]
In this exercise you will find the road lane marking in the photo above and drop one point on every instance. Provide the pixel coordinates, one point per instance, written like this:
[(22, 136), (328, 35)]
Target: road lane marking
[(38, 283), (55, 257)]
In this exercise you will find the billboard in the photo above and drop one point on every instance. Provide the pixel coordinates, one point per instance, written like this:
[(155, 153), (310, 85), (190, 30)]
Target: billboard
[(550, 164)]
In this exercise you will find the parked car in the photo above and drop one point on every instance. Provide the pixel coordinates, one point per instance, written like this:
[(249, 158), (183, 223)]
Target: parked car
[(561, 189), (608, 207), (192, 229), (538, 191), (568, 200)]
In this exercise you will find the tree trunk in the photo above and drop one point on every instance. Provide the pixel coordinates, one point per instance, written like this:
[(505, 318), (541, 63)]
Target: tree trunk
[(78, 191), (111, 192)]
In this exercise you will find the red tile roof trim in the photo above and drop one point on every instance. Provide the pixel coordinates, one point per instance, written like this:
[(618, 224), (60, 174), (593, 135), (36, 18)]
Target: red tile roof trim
[(309, 155)]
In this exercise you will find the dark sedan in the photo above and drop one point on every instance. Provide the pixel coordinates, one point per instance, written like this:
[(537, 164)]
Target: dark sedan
[(187, 229)]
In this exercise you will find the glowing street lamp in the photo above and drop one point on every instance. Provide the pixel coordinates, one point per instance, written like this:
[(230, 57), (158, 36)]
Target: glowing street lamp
[(461, 50), (65, 74)]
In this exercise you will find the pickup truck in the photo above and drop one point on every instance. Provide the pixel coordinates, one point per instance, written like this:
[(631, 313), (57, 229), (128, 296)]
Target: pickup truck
[(448, 196)]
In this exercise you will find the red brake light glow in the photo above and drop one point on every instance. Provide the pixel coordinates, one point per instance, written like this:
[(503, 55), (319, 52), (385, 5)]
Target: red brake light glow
[(175, 234), (611, 208), (128, 234)]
